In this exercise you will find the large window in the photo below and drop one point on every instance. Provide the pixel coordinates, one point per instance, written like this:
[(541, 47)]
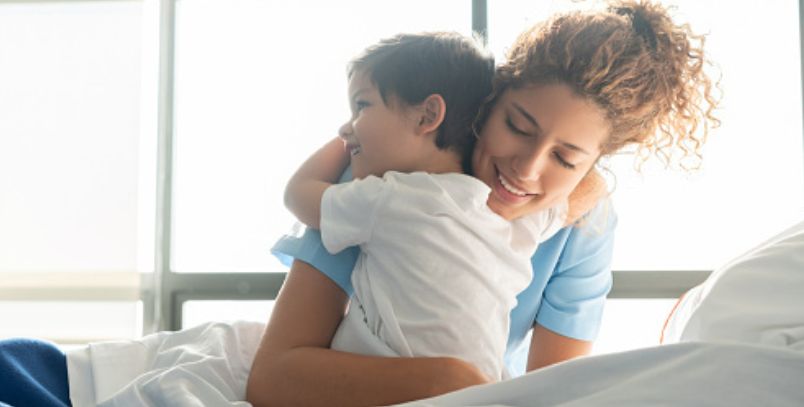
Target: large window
[(69, 169)]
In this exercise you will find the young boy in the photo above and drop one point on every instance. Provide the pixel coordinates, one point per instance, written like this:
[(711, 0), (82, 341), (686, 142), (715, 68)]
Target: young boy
[(439, 271)]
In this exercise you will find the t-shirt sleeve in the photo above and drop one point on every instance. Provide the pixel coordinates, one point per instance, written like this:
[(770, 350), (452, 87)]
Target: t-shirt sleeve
[(574, 297), (305, 244), (349, 211)]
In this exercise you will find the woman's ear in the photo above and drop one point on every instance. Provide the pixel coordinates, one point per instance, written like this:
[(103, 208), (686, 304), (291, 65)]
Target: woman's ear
[(431, 114)]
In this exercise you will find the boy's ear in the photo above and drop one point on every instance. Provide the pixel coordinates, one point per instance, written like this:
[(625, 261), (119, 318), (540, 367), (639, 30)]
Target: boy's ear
[(432, 111)]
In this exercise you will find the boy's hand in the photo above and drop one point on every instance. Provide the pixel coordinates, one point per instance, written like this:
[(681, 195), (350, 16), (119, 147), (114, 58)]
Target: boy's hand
[(306, 187)]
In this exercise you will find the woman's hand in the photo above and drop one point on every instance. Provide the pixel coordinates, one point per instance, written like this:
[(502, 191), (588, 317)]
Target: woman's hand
[(457, 374), (294, 365)]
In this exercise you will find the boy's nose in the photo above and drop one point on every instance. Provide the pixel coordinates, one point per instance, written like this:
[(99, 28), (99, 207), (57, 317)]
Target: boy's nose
[(345, 131)]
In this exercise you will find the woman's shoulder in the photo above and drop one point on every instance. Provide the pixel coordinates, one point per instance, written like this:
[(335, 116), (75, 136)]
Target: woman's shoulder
[(590, 239), (600, 220)]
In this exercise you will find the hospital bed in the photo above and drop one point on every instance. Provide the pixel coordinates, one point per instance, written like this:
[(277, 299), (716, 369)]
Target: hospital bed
[(735, 340)]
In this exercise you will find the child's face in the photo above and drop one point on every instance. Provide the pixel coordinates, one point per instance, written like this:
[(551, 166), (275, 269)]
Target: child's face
[(378, 136), (535, 147)]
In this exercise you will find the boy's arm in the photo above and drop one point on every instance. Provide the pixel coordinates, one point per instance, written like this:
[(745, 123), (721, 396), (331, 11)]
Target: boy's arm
[(306, 187)]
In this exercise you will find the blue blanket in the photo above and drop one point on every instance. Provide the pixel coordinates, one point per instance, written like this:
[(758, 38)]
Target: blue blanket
[(32, 373)]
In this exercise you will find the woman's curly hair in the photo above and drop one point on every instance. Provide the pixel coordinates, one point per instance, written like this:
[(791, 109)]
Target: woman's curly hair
[(634, 62)]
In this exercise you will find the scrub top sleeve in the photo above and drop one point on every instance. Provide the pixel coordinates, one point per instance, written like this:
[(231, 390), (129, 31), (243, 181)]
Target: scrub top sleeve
[(307, 247), (575, 294)]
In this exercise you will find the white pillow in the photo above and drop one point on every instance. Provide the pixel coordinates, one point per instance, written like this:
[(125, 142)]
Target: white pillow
[(757, 298)]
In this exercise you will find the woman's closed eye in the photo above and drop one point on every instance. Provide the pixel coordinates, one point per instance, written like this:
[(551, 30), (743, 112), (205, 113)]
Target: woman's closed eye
[(556, 155), (562, 162), (516, 130)]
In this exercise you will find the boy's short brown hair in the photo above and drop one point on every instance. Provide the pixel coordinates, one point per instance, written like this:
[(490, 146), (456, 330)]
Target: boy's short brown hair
[(411, 67)]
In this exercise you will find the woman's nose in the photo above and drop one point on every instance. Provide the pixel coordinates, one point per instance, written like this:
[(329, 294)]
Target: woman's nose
[(529, 164)]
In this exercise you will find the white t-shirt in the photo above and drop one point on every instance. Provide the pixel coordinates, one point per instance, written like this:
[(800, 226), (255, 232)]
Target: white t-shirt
[(438, 272)]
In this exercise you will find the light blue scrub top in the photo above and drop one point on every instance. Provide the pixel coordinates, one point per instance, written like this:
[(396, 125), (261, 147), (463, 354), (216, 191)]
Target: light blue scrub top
[(571, 278)]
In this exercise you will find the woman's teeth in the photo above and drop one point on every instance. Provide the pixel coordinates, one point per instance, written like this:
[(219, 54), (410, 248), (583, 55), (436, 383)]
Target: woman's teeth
[(510, 188)]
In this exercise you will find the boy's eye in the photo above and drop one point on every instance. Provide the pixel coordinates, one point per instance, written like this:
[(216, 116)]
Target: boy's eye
[(562, 162), (513, 128), (361, 104)]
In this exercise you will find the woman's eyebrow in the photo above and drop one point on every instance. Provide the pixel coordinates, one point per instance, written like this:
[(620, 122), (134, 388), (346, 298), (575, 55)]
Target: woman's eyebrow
[(527, 115), (533, 121), (573, 147)]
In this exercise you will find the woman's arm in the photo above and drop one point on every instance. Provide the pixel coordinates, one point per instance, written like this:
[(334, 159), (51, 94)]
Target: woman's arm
[(306, 187), (570, 307), (294, 365), (548, 347)]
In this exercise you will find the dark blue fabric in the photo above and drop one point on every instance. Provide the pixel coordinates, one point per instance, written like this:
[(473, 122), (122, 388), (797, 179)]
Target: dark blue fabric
[(32, 373)]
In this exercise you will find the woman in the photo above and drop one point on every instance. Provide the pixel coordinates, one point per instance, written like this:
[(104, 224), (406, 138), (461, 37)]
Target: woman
[(574, 89)]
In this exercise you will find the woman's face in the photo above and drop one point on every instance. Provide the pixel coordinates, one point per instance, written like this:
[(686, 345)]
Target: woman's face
[(537, 144)]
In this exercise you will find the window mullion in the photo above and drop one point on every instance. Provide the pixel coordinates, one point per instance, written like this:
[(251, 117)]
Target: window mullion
[(480, 20), (159, 319)]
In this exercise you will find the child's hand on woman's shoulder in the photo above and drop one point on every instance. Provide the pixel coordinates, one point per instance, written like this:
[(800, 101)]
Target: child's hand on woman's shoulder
[(586, 195)]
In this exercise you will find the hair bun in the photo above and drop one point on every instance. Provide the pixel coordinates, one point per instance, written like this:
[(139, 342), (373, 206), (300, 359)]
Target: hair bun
[(637, 12)]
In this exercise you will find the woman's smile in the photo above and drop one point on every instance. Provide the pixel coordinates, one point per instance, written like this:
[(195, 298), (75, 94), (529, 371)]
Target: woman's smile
[(507, 191)]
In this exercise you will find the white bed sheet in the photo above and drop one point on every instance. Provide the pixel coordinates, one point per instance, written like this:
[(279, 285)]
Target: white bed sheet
[(686, 374), (208, 366), (747, 322)]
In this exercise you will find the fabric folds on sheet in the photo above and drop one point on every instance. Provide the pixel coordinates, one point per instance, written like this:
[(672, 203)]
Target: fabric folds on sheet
[(207, 365), (755, 298), (686, 374)]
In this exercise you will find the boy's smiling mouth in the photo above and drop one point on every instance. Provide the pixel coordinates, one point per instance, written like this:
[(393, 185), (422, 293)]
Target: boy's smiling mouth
[(352, 146), (354, 149)]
